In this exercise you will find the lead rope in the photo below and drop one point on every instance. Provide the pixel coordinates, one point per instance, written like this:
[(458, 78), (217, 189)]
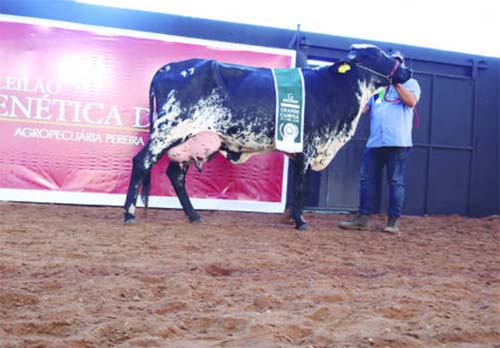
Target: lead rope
[(416, 124)]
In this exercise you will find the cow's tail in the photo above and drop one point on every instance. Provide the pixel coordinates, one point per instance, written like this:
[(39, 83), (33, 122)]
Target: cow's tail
[(146, 183)]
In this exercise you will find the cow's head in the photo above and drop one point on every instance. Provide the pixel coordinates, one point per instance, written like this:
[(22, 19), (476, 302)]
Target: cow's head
[(381, 68)]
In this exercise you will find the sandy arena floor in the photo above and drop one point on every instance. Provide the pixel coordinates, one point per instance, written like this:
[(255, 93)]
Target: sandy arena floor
[(77, 277)]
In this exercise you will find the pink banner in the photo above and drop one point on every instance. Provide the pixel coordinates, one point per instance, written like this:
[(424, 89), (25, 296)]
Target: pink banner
[(73, 113)]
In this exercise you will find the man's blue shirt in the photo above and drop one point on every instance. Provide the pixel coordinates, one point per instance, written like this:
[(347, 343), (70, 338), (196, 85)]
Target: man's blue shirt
[(391, 121)]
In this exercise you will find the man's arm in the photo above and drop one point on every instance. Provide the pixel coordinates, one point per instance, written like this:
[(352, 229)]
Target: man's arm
[(406, 96), (366, 108)]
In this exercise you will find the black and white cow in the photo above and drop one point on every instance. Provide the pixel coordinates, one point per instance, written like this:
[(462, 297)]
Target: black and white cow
[(204, 106)]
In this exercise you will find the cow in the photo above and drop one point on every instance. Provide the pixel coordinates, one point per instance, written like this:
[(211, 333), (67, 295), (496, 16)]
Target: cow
[(205, 106)]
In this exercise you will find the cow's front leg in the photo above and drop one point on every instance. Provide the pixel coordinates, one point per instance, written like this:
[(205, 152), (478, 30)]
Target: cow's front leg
[(140, 170), (298, 202), (177, 175)]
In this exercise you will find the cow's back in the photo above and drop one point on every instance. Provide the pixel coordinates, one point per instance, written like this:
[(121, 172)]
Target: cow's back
[(244, 89), (190, 80)]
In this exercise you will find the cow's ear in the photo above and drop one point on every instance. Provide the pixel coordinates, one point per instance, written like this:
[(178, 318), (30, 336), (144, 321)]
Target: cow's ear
[(343, 68)]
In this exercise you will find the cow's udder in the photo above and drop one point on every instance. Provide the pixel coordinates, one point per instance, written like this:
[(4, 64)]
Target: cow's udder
[(199, 147)]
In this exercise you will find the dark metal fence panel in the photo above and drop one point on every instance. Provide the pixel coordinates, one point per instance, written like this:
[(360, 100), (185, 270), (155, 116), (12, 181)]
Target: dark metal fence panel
[(485, 187), (454, 167)]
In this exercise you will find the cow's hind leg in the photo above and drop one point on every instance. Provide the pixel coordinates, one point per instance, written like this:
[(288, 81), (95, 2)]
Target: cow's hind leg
[(141, 168), (177, 175), (299, 184)]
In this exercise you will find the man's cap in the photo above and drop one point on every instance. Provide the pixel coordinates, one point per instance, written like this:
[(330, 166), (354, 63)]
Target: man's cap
[(398, 55)]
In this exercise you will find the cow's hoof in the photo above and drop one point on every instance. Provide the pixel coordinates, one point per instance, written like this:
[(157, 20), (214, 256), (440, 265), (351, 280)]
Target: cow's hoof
[(198, 221), (129, 219), (302, 227)]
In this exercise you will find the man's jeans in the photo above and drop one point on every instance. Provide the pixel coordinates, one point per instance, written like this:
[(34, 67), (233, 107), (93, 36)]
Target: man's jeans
[(374, 160)]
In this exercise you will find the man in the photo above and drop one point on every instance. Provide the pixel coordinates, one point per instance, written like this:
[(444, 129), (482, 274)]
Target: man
[(391, 122)]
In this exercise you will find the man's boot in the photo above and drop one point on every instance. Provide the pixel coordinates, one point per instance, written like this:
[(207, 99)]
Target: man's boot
[(360, 222), (392, 226)]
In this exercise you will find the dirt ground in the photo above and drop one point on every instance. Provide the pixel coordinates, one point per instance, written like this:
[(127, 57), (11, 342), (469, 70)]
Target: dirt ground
[(77, 277)]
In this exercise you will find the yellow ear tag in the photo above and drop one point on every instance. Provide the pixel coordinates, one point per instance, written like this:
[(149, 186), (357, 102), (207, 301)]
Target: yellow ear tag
[(344, 68)]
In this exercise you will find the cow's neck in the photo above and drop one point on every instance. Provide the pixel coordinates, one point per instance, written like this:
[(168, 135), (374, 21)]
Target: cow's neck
[(365, 91), (342, 132)]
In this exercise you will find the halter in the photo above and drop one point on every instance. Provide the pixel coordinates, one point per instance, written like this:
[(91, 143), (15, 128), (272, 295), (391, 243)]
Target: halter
[(394, 68), (391, 74), (387, 77)]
